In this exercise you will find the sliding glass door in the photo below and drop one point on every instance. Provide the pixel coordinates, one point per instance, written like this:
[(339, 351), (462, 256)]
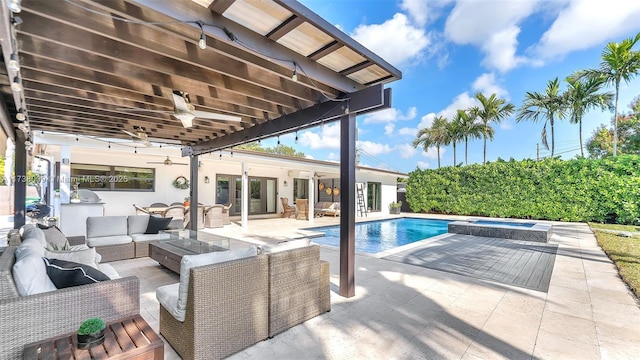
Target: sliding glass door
[(262, 194)]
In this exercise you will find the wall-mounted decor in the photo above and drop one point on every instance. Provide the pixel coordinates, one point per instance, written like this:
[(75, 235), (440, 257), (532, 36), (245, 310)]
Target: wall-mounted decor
[(321, 186), (181, 182), (328, 191), (336, 191)]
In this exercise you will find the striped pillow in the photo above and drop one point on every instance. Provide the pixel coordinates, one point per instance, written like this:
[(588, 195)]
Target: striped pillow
[(65, 274)]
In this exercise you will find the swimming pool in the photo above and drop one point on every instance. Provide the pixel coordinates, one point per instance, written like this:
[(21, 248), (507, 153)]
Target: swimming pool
[(376, 236)]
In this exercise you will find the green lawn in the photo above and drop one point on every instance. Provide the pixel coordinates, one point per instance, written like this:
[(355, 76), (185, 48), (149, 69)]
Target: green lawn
[(624, 251), (631, 228)]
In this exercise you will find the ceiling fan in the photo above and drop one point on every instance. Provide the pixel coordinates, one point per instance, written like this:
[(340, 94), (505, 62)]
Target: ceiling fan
[(140, 136), (186, 112), (166, 161)]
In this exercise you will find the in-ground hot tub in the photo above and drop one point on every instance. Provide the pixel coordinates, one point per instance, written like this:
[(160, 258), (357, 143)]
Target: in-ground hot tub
[(515, 230)]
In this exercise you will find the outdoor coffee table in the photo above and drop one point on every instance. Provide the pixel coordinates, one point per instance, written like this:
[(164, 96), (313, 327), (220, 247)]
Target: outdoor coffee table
[(169, 253), (129, 338)]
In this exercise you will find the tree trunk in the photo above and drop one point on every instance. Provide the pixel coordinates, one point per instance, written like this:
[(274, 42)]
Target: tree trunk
[(466, 147), (553, 139), (580, 133), (484, 157), (615, 120), (454, 154), (438, 148)]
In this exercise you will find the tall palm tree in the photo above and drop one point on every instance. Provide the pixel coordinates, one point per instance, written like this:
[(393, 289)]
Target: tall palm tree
[(454, 134), (583, 95), (619, 62), (492, 110), (469, 128), (436, 135), (550, 105)]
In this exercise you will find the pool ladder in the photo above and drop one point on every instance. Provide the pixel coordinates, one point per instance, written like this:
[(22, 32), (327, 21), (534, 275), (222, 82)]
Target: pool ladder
[(362, 206)]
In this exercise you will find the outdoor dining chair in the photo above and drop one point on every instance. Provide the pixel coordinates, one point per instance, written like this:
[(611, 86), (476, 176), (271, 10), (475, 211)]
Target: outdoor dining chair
[(225, 214), (158, 204), (200, 218), (213, 216), (140, 211), (178, 214)]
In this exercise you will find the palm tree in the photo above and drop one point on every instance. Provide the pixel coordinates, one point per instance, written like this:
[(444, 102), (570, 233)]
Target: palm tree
[(582, 95), (469, 128), (436, 135), (550, 105), (619, 62), (492, 109), (454, 134)]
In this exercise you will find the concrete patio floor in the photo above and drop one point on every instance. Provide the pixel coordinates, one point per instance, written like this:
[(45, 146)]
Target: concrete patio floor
[(402, 311)]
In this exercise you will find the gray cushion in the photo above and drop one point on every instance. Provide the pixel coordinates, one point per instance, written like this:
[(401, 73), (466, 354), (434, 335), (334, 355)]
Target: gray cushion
[(98, 226), (150, 237), (54, 237), (137, 224), (109, 240), (29, 231)]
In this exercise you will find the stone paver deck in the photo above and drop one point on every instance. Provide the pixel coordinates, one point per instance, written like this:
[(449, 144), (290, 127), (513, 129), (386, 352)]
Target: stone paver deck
[(403, 311)]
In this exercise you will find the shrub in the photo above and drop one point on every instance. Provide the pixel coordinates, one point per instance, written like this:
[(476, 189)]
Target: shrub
[(602, 190)]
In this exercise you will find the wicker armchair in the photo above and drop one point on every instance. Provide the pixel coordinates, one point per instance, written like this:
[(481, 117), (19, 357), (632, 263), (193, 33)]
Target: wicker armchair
[(213, 216), (299, 287), (303, 209), (199, 218), (225, 214), (288, 210), (27, 319), (227, 310), (177, 213)]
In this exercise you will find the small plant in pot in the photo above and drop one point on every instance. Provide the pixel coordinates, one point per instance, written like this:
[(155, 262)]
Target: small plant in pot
[(394, 207), (91, 333)]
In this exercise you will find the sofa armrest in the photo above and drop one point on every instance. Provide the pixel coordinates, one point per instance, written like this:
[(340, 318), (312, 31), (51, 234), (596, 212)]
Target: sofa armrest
[(27, 319), (76, 240)]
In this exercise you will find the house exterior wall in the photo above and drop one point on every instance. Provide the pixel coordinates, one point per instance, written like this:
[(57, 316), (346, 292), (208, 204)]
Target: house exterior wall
[(388, 187)]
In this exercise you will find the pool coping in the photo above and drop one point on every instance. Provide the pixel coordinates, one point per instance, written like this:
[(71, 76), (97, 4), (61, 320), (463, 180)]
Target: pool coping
[(539, 232)]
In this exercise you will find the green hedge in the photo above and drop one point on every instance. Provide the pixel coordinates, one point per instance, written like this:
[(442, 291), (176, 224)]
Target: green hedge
[(600, 190)]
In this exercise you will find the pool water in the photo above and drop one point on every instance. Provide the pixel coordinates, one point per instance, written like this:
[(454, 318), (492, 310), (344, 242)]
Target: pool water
[(376, 236), (504, 223)]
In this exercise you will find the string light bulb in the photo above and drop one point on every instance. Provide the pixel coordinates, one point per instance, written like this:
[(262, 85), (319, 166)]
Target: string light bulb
[(109, 146), (16, 85), (20, 116), (296, 137), (202, 43), (14, 6), (14, 64), (294, 77), (135, 150), (278, 139), (220, 154)]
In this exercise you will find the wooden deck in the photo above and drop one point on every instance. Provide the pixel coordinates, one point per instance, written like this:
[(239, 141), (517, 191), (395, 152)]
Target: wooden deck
[(514, 262)]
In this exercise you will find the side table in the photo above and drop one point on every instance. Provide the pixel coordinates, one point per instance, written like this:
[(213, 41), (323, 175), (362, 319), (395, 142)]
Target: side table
[(128, 338)]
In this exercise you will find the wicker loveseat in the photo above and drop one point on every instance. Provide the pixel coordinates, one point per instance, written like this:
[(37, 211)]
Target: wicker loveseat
[(30, 318), (235, 304)]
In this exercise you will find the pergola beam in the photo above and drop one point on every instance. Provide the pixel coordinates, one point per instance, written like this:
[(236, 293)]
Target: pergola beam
[(370, 99)]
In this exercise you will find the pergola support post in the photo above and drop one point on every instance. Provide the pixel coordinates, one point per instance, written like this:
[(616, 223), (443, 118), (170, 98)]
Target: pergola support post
[(347, 204), (20, 181), (193, 192)]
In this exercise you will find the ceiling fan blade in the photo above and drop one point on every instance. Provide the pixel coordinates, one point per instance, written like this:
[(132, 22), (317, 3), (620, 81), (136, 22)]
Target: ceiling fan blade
[(180, 102), (146, 110), (130, 133), (216, 116)]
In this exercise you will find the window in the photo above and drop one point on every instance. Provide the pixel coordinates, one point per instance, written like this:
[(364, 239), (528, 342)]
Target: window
[(300, 189), (113, 178), (374, 191)]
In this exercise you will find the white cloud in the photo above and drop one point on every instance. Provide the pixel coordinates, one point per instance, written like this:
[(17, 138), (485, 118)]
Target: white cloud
[(491, 25), (390, 115), (395, 40), (506, 125), (406, 150), (329, 138), (426, 121), (432, 153), (388, 129), (372, 148), (408, 131), (486, 84), (586, 23), (423, 165), (418, 10), (333, 156), (462, 101), (310, 157)]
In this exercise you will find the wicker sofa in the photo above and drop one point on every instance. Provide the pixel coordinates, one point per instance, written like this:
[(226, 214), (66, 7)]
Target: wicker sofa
[(30, 318), (235, 304), (121, 237)]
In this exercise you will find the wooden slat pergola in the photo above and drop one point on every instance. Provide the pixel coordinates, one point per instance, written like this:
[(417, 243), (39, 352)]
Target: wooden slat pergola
[(98, 67)]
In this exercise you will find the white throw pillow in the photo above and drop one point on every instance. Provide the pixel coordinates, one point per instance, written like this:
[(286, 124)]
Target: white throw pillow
[(30, 273), (82, 256), (191, 261), (283, 246)]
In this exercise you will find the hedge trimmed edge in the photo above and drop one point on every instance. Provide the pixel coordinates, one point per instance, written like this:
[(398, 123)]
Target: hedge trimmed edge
[(600, 190)]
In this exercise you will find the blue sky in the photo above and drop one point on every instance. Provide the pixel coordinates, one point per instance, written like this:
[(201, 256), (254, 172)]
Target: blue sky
[(448, 50)]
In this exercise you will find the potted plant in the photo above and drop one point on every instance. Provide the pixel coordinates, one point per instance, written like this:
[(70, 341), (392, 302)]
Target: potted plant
[(186, 201), (91, 333), (394, 207)]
